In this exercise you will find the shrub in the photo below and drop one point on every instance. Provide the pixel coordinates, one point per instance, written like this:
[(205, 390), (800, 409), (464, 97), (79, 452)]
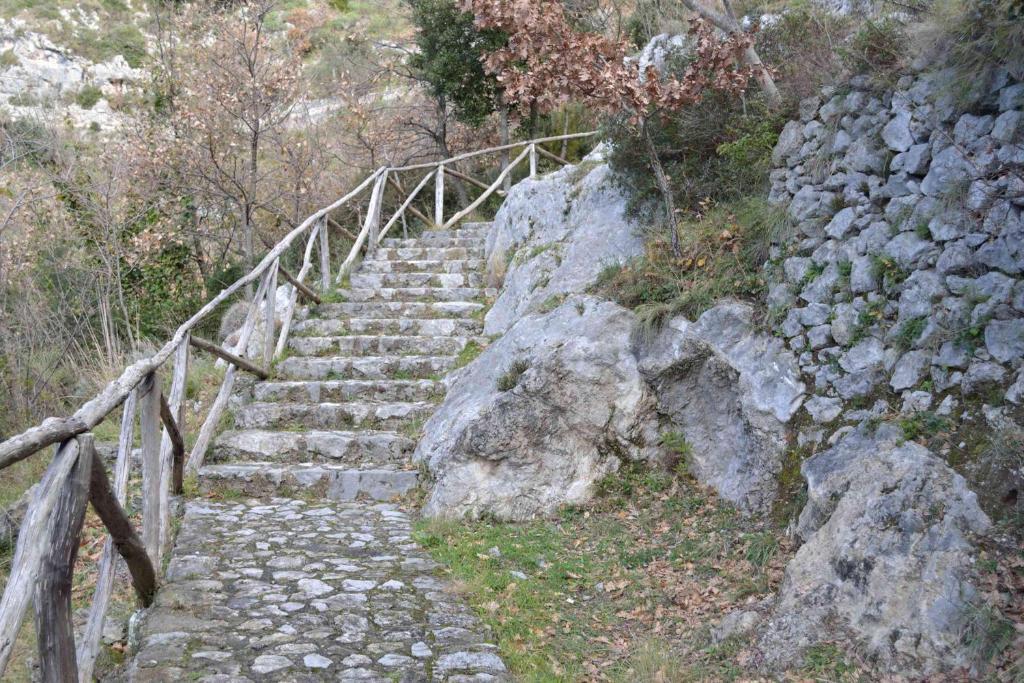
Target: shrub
[(878, 48), (88, 96), (724, 249), (510, 378)]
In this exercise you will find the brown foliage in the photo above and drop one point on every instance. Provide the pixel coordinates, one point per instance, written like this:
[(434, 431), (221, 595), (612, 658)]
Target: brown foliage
[(548, 63)]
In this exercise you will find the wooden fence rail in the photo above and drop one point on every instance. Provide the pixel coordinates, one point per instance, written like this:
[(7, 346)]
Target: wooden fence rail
[(49, 536)]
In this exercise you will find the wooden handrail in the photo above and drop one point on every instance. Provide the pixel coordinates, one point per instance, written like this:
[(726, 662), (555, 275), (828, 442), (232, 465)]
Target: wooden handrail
[(493, 150), (304, 289), (224, 354)]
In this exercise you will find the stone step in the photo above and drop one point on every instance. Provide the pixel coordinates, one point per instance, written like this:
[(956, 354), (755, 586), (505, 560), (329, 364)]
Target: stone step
[(376, 345), (333, 482), (465, 230), (368, 448), (421, 294), (395, 309), (377, 415), (470, 241), (428, 327), (364, 367), (428, 253), (350, 390), (393, 280), (421, 266)]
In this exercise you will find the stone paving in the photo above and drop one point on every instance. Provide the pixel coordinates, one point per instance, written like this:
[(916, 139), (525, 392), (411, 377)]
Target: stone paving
[(314, 575)]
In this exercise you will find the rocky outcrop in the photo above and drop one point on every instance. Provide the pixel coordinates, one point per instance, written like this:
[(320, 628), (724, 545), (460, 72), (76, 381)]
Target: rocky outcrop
[(552, 237), (887, 557), (547, 410), (38, 77), (730, 391)]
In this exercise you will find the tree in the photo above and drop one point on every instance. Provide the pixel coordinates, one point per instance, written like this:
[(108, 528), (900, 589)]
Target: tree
[(547, 63)]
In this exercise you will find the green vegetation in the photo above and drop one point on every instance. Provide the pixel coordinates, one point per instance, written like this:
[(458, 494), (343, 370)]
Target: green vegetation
[(724, 250), (469, 353), (584, 595), (509, 379), (88, 96)]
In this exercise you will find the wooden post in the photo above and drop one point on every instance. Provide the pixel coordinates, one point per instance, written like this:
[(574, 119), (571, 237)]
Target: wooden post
[(149, 425), (172, 446), (373, 212), (195, 460), (270, 317), (127, 542), (439, 196), (55, 630), (89, 644), (533, 161), (325, 258)]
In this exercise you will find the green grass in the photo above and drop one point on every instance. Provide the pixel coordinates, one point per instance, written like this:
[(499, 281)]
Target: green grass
[(723, 252), (600, 582), (509, 379), (468, 354)]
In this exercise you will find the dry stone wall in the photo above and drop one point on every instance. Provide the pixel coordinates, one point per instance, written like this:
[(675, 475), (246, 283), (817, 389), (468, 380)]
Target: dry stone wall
[(905, 275)]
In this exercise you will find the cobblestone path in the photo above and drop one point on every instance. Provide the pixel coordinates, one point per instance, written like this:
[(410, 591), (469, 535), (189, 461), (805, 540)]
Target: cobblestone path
[(313, 575)]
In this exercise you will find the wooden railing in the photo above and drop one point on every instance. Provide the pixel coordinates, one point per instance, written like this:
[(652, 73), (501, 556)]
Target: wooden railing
[(48, 539)]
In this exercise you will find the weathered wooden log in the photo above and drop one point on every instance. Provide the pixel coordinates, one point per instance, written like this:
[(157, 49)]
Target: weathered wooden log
[(325, 259), (221, 352), (490, 190), (33, 542), (107, 504), (372, 213), (177, 444), (342, 229), (206, 432), (303, 288), (552, 156), (439, 195), (89, 643), (270, 316), (493, 150), (293, 299), (407, 205), (55, 634), (149, 429), (469, 179)]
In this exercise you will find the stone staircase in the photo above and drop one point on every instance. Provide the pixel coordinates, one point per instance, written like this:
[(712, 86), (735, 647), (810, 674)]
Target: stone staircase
[(360, 378), (313, 574)]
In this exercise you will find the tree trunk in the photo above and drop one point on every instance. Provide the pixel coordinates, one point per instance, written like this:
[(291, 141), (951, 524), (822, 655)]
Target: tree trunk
[(503, 125), (663, 186), (728, 24)]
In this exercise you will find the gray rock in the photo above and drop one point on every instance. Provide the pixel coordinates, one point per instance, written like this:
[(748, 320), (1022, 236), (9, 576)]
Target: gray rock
[(814, 314), (863, 278), (916, 402), (578, 406), (1008, 126), (819, 337), (866, 355), (910, 370), (563, 229), (951, 355), (897, 134), (980, 376), (1004, 339), (844, 323), (917, 159), (1012, 97), (734, 624), (949, 170), (863, 157), (969, 128), (730, 391), (790, 140), (887, 557), (907, 249), (841, 223), (823, 409), (795, 268)]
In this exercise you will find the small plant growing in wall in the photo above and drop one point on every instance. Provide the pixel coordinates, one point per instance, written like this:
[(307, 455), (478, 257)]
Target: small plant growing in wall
[(509, 379)]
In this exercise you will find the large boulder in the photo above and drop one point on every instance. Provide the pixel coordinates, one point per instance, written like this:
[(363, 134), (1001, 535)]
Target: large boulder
[(543, 413), (886, 557), (552, 237), (730, 391)]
